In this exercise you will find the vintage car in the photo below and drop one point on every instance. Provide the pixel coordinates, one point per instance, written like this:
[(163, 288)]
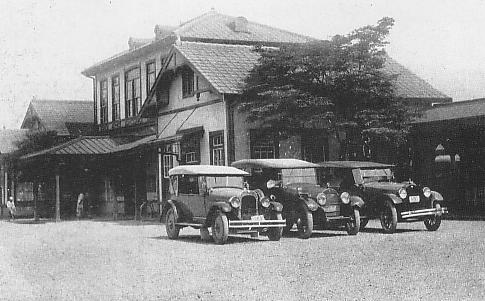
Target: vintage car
[(390, 201), (205, 196), (310, 206)]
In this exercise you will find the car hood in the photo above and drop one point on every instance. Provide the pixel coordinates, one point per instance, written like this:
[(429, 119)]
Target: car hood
[(225, 192), (391, 187), (312, 190)]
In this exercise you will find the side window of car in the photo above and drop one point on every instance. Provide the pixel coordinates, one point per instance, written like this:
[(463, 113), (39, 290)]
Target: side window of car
[(188, 185), (174, 185)]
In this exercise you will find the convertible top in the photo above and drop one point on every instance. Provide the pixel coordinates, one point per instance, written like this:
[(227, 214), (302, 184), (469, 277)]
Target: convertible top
[(206, 170), (353, 164), (274, 163)]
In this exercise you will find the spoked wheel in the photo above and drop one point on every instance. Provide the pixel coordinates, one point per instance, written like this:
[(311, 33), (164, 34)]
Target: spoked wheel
[(275, 233), (353, 225), (172, 229), (389, 218), (434, 222), (220, 229), (304, 222)]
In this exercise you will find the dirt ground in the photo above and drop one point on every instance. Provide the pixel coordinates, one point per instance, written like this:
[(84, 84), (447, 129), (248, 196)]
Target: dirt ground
[(128, 260)]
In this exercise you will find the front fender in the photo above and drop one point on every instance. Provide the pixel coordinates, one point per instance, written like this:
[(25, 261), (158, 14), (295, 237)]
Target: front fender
[(276, 206), (310, 204), (394, 198), (222, 206), (356, 201)]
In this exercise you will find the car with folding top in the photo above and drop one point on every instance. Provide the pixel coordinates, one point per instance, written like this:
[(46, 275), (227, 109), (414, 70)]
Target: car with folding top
[(307, 204), (206, 196), (384, 198)]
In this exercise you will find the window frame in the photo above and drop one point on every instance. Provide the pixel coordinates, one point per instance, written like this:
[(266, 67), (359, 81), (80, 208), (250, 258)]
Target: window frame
[(132, 103), (148, 73), (215, 149), (257, 149), (115, 106), (188, 82), (103, 101)]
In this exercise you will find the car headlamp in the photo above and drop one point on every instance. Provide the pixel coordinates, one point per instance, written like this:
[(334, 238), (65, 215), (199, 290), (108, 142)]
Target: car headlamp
[(321, 198), (403, 193), (345, 197), (272, 197), (235, 202), (426, 192), (265, 202), (271, 184)]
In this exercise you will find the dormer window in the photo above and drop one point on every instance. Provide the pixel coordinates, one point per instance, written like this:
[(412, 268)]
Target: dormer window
[(187, 82)]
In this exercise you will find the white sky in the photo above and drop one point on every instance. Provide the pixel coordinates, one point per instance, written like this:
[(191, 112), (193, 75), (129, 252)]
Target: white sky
[(45, 44)]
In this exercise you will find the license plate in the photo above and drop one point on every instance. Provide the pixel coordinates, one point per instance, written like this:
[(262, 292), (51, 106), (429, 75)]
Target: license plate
[(331, 208), (257, 217), (414, 199)]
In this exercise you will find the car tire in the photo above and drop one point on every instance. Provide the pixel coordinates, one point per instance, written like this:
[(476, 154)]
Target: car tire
[(275, 234), (220, 229), (304, 223), (170, 226), (389, 217), (363, 223), (204, 234), (353, 225), (433, 223)]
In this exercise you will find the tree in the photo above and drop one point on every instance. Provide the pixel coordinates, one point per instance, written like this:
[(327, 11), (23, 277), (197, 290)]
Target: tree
[(337, 84)]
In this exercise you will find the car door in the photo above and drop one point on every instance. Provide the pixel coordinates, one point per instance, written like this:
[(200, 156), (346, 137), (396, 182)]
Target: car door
[(191, 195)]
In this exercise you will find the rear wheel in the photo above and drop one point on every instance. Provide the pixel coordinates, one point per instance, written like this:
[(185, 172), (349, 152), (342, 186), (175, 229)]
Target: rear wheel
[(304, 222), (220, 229), (434, 222), (353, 225), (389, 217), (172, 229), (275, 233)]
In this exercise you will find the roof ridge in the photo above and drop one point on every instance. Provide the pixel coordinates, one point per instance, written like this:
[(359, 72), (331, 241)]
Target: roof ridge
[(211, 12), (218, 44)]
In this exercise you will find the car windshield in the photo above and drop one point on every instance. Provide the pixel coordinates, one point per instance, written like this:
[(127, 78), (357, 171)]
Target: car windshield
[(299, 175), (213, 182), (376, 175)]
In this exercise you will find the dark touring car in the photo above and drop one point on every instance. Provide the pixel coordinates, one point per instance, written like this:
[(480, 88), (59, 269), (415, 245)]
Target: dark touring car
[(390, 201), (205, 196), (310, 206)]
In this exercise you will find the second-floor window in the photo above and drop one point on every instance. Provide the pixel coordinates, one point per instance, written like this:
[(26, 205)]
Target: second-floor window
[(132, 92), (115, 97), (187, 82), (151, 76), (104, 101)]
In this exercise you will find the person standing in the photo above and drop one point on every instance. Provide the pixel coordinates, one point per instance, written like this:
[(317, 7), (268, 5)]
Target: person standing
[(11, 208), (80, 205)]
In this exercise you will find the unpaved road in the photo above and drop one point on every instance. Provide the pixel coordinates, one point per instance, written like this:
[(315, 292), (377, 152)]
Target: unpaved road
[(99, 260)]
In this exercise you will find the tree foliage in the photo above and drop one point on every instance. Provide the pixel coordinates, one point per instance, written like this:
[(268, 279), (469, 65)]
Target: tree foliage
[(333, 84)]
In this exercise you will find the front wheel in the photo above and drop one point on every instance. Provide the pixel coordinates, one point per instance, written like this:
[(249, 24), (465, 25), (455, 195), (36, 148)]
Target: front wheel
[(363, 223), (274, 234), (220, 229), (434, 222), (389, 218), (353, 225), (172, 229), (304, 222)]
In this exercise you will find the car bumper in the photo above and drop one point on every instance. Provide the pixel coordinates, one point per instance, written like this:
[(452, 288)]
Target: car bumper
[(423, 213), (256, 224)]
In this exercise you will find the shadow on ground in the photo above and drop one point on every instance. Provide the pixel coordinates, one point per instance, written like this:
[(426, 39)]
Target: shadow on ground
[(195, 239)]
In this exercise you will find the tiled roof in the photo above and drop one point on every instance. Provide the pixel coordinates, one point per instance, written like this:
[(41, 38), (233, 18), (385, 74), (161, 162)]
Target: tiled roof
[(455, 110), (209, 27), (66, 117), (9, 138), (215, 26), (91, 145), (224, 66), (409, 85)]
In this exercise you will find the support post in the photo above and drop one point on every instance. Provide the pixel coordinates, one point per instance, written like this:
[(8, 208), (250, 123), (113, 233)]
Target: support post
[(160, 180), (36, 197), (58, 197)]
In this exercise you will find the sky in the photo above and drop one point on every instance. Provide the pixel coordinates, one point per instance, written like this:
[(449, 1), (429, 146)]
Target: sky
[(45, 44)]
